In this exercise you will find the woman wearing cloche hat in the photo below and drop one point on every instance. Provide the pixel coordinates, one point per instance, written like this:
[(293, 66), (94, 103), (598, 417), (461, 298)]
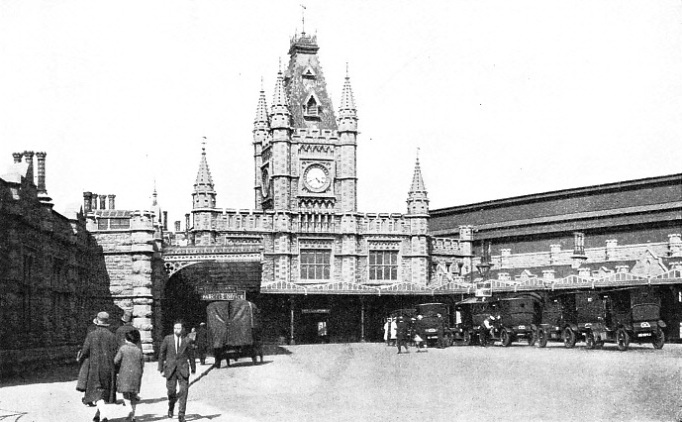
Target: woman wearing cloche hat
[(100, 348)]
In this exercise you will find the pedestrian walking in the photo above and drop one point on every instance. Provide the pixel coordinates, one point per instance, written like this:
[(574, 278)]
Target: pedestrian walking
[(99, 349), (176, 356), (84, 369), (403, 334), (202, 342), (394, 330), (127, 326), (130, 363), (387, 331)]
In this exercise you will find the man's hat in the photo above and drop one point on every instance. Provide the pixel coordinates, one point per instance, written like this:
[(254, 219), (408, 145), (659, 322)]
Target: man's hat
[(127, 316), (102, 319)]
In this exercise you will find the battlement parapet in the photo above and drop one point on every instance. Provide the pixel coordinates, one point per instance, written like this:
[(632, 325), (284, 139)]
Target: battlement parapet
[(315, 135)]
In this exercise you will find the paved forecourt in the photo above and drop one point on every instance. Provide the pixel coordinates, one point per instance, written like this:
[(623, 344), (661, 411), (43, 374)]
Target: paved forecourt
[(368, 382)]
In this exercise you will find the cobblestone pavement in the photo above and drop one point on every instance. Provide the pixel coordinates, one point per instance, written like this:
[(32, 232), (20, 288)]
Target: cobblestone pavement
[(370, 382)]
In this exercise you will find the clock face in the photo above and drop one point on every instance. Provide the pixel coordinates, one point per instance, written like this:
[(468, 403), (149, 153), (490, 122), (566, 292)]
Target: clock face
[(316, 178)]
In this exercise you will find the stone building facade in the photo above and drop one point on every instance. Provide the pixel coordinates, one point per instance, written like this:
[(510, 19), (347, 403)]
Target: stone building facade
[(53, 278)]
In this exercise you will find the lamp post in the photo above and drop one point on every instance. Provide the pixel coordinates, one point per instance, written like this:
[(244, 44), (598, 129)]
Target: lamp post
[(483, 269)]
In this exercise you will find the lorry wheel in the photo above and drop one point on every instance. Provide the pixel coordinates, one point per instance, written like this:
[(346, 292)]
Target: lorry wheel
[(589, 341), (659, 339), (506, 338), (569, 337), (623, 339), (466, 338), (542, 338)]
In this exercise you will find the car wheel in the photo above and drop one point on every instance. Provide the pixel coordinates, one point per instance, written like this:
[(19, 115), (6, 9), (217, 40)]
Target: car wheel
[(623, 339), (659, 339), (543, 338), (506, 338), (466, 338), (589, 341), (569, 337)]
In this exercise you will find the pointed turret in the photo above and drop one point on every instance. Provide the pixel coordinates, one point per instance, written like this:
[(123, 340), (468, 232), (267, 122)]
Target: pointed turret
[(204, 192), (348, 118), (280, 117), (261, 122), (261, 134), (417, 197)]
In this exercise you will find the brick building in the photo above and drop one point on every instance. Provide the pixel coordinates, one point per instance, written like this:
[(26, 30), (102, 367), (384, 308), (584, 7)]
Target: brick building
[(53, 279)]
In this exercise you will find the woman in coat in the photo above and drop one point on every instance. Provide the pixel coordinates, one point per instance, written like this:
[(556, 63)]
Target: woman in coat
[(130, 363), (100, 349)]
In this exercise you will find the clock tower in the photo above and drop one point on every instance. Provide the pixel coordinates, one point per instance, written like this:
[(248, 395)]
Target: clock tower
[(305, 157)]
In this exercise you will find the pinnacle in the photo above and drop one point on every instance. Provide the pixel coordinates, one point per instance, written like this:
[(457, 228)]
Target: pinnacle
[(279, 99), (204, 178), (417, 180), (261, 110), (347, 99)]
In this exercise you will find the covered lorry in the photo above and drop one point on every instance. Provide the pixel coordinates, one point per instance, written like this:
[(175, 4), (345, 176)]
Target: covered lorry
[(234, 330)]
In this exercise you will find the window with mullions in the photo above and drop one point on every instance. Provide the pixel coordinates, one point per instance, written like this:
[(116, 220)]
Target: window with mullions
[(315, 264), (383, 265)]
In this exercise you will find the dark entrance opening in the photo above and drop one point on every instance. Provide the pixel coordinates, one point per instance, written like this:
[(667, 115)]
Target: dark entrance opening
[(191, 289)]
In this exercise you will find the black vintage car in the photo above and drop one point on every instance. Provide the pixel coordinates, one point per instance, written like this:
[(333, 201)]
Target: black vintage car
[(619, 316), (436, 321), (469, 316), (517, 317), (558, 319)]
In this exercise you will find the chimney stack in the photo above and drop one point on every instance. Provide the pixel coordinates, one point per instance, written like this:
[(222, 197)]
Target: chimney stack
[(165, 220), (102, 201), (41, 172), (112, 204), (177, 226), (94, 202), (87, 202), (28, 157), (17, 157)]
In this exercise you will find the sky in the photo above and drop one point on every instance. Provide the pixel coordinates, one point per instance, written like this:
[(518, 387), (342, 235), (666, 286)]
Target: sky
[(502, 98)]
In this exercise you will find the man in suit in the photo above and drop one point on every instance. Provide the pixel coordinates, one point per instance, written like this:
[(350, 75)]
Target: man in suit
[(175, 358)]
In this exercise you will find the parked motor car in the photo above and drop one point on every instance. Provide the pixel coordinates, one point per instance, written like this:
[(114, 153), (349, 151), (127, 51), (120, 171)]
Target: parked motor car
[(437, 323), (517, 318), (619, 316)]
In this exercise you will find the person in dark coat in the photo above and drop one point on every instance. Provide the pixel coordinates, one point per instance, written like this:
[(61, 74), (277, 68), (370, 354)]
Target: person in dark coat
[(130, 363), (202, 342), (403, 334), (176, 356), (127, 326), (83, 371), (100, 348)]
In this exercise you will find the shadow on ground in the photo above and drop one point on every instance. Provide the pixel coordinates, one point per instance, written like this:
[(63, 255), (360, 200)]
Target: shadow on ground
[(59, 373)]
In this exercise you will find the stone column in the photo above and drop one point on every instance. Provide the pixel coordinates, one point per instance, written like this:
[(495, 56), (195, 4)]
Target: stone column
[(142, 251)]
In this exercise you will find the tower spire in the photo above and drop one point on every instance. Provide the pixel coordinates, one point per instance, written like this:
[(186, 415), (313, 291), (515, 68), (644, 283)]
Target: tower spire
[(261, 120), (204, 191), (348, 117), (279, 111), (417, 197)]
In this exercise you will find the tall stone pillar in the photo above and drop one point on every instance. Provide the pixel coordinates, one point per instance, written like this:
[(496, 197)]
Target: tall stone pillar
[(142, 250)]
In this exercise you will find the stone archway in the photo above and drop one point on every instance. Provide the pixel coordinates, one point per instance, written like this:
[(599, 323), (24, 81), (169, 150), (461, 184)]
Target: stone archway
[(189, 290)]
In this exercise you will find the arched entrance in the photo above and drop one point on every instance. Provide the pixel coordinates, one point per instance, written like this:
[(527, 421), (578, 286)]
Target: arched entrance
[(190, 290)]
